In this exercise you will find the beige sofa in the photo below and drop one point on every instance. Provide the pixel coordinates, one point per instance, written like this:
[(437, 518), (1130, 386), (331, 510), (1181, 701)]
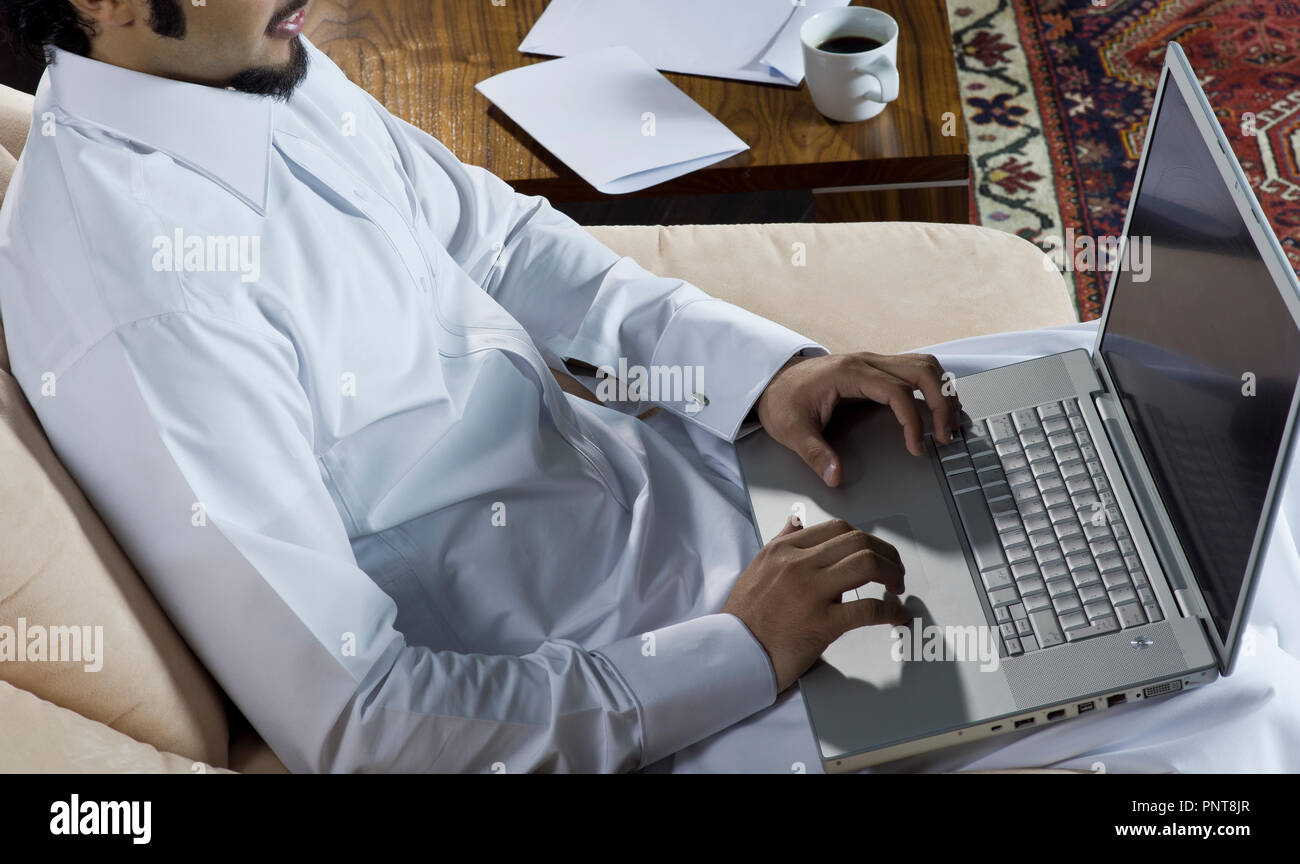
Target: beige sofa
[(153, 708)]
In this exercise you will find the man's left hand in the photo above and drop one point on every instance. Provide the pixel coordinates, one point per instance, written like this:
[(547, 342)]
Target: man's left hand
[(800, 399)]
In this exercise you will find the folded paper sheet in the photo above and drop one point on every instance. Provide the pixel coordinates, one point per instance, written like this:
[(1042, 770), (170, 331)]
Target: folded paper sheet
[(612, 118), (751, 40)]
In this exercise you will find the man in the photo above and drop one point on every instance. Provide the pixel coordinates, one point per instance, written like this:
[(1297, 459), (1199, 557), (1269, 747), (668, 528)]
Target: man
[(297, 355)]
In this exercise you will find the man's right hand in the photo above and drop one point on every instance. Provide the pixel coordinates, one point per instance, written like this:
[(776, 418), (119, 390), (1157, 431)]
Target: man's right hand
[(790, 595)]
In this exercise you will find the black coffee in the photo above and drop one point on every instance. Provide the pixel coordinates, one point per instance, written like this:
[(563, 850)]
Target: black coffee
[(850, 44)]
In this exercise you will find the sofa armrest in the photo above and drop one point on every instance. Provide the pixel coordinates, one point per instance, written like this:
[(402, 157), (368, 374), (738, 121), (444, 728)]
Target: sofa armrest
[(41, 737), (878, 286)]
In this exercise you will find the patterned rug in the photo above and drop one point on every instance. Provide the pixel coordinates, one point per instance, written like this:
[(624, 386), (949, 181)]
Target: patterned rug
[(1058, 93)]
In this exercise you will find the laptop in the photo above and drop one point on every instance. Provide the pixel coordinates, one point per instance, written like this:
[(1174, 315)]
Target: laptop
[(1093, 536)]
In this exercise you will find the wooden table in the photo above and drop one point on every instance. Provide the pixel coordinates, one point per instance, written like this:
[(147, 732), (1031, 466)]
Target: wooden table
[(422, 58)]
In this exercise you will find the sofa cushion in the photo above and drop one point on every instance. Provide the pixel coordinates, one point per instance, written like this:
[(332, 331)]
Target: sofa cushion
[(881, 286), (41, 737), (15, 117), (60, 567)]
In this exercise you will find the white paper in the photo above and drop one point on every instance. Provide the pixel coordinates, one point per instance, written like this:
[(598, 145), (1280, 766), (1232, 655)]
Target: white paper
[(751, 40), (595, 111)]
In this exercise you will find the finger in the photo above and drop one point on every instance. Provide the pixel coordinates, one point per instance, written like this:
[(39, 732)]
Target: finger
[(868, 613), (841, 546), (815, 535), (792, 524), (903, 404), (819, 456), (861, 568), (925, 373)]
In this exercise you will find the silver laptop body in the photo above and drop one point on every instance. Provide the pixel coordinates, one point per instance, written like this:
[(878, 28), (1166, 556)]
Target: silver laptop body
[(1136, 584)]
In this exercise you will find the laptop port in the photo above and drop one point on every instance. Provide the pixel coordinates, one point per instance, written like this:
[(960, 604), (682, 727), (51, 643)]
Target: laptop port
[(1028, 721), (1117, 699), (1086, 706), (996, 728), (1056, 715)]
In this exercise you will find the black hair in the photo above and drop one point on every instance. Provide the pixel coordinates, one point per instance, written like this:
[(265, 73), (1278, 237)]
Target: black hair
[(36, 26)]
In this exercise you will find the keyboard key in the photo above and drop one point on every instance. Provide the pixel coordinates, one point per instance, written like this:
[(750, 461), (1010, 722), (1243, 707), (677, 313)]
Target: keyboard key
[(962, 481), (1078, 425), (1139, 578), (1102, 547), (1046, 628), (1078, 561), (1072, 621), (1017, 462), (1021, 552), (1111, 562), (1013, 537), (1042, 538), (1060, 514), (986, 460), (1130, 615), (1019, 478), (1028, 492), (1023, 628), (1001, 428), (1002, 614), (1035, 602), (1048, 554), (1037, 522), (1002, 507), (1052, 409), (1028, 643), (1068, 529), (1037, 453), (1003, 597), (997, 490), (1005, 522), (1013, 646), (996, 577), (1122, 595), (1018, 611), (978, 522), (1073, 545), (1009, 448), (1068, 603), (1074, 468), (1086, 576), (952, 450), (1092, 593), (960, 462), (1114, 578), (1099, 609), (1153, 612), (1078, 485), (1057, 498), (1031, 507), (1095, 532), (1026, 418), (1051, 484), (1055, 570), (1060, 440), (1071, 407), (1024, 568), (1009, 631), (1146, 596), (1061, 588), (1071, 454), (1032, 436), (1034, 585), (990, 476), (1053, 425), (1039, 469)]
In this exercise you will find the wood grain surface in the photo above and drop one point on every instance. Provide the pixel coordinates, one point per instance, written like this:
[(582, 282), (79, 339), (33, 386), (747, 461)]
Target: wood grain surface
[(422, 58)]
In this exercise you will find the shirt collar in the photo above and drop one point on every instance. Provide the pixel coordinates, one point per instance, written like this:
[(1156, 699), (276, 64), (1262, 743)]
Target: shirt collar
[(223, 134)]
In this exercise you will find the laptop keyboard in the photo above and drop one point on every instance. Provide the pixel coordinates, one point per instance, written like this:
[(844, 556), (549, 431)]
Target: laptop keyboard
[(1055, 557)]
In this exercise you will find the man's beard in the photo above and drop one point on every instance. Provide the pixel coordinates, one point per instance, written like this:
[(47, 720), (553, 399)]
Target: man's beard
[(277, 82)]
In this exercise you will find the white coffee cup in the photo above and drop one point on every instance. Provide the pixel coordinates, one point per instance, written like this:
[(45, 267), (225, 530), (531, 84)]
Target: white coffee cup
[(851, 87)]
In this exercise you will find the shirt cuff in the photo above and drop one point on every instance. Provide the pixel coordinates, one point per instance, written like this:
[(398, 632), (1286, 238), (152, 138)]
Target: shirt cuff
[(731, 355), (692, 679)]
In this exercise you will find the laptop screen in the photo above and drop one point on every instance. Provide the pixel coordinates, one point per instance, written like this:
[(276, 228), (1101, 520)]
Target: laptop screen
[(1204, 355)]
